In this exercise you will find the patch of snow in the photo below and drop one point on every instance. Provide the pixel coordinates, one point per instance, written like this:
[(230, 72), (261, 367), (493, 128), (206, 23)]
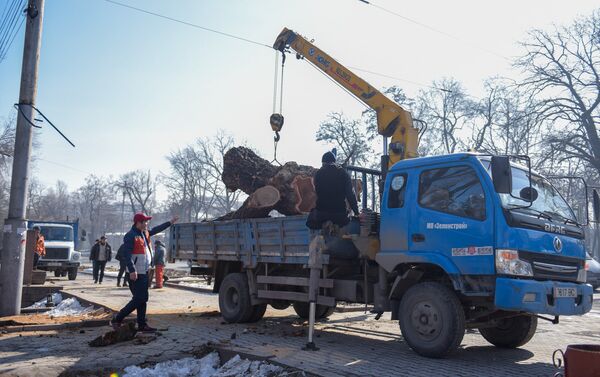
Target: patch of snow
[(208, 366), (204, 367), (56, 298), (69, 307)]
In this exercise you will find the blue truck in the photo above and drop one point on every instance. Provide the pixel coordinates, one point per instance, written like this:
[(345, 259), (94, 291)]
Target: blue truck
[(455, 242), (62, 242)]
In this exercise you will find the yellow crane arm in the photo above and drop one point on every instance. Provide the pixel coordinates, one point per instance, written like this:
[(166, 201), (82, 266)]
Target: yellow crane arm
[(392, 120)]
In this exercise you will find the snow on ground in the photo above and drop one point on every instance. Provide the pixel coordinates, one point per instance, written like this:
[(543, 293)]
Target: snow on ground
[(56, 299), (208, 366), (69, 307)]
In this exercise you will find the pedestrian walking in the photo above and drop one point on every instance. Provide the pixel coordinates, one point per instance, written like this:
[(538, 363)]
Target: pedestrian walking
[(100, 254), (139, 258), (93, 260), (40, 247), (159, 263), (122, 267)]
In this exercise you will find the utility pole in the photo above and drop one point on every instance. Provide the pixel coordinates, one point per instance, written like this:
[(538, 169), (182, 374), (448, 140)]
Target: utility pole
[(15, 226)]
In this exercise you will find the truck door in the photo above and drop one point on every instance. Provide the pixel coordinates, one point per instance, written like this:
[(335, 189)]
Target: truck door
[(394, 213), (453, 216)]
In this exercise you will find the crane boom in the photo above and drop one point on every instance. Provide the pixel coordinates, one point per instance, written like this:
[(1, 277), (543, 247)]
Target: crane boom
[(392, 120)]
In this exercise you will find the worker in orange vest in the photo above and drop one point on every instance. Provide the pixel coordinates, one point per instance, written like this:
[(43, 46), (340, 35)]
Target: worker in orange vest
[(159, 263), (40, 247)]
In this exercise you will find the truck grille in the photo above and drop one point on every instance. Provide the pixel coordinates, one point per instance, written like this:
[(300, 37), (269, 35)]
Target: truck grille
[(552, 267), (57, 253)]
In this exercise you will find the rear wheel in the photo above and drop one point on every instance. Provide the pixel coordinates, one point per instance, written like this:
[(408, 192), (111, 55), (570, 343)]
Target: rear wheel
[(258, 312), (73, 273), (511, 332), (303, 310), (432, 319), (57, 273), (234, 299), (63, 273)]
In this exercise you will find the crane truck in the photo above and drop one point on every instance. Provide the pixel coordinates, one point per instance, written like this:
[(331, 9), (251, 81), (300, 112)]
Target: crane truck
[(453, 242)]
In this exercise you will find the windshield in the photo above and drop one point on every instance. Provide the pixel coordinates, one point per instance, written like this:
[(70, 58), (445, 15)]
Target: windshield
[(549, 204), (51, 233)]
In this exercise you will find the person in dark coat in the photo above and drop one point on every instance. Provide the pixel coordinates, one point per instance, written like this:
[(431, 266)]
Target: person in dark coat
[(138, 254), (159, 262), (333, 187), (101, 254), (122, 267)]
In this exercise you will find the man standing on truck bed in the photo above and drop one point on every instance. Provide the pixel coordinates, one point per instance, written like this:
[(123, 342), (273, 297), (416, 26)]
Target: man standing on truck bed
[(333, 187), (100, 254), (40, 247), (137, 252)]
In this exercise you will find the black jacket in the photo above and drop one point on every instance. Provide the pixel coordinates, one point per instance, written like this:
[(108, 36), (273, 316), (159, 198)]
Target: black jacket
[(96, 250), (334, 187)]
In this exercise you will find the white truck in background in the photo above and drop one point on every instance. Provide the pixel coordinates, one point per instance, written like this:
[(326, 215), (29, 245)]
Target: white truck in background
[(61, 241)]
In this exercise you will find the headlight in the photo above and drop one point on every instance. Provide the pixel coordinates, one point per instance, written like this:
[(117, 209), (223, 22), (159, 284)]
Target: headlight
[(582, 275), (76, 255), (508, 263)]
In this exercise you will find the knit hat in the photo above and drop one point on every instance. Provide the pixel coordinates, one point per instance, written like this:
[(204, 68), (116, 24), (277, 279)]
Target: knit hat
[(328, 158)]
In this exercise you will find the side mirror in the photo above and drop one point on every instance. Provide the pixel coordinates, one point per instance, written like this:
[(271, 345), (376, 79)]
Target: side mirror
[(501, 174), (596, 205), (528, 193)]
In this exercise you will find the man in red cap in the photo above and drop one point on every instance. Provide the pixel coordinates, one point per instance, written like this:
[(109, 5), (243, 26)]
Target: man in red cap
[(138, 256)]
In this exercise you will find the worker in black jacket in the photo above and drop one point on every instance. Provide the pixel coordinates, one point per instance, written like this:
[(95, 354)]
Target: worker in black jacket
[(333, 187)]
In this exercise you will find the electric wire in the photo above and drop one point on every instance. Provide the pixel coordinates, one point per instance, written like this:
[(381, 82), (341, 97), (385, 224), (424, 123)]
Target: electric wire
[(189, 24), (256, 43), (5, 13), (435, 30), (10, 23), (2, 57)]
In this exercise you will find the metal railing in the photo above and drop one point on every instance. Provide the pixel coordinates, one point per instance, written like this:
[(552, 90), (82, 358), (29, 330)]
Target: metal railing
[(366, 186)]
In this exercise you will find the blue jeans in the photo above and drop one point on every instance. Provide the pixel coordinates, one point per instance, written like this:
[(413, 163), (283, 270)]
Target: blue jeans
[(139, 289)]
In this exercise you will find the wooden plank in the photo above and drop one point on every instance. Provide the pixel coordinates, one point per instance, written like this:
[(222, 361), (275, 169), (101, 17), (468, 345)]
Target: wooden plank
[(294, 296), (291, 280)]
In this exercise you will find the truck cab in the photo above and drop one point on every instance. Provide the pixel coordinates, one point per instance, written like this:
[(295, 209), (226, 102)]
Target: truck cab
[(61, 255), (510, 257)]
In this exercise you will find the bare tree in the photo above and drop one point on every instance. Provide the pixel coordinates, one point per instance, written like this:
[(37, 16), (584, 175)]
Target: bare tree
[(447, 111), (90, 200), (211, 152), (562, 70), (506, 121), (351, 137), (139, 188), (186, 184)]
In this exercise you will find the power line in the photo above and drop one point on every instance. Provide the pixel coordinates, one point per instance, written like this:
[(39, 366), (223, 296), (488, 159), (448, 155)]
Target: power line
[(11, 27), (65, 166), (189, 24), (3, 56), (435, 30), (400, 79)]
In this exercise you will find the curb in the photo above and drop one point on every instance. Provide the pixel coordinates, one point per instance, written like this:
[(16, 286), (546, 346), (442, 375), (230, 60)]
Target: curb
[(186, 288), (57, 326), (170, 285)]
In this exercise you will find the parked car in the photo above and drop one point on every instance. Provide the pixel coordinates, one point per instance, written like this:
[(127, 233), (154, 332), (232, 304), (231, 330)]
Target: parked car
[(592, 267)]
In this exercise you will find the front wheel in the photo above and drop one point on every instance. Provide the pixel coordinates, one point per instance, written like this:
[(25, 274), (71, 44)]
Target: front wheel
[(432, 320), (73, 273), (57, 273), (511, 332)]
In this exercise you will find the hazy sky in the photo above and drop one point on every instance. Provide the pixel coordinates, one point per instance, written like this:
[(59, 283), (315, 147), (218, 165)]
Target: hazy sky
[(129, 88)]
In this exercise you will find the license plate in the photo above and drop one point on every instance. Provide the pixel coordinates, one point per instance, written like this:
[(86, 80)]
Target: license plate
[(565, 292), (53, 264)]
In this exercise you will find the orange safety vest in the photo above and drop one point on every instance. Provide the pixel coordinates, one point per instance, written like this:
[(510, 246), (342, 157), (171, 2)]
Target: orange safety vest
[(40, 248)]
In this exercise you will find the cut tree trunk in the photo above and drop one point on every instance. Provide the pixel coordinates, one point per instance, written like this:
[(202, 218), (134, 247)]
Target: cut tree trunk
[(259, 204), (245, 170)]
